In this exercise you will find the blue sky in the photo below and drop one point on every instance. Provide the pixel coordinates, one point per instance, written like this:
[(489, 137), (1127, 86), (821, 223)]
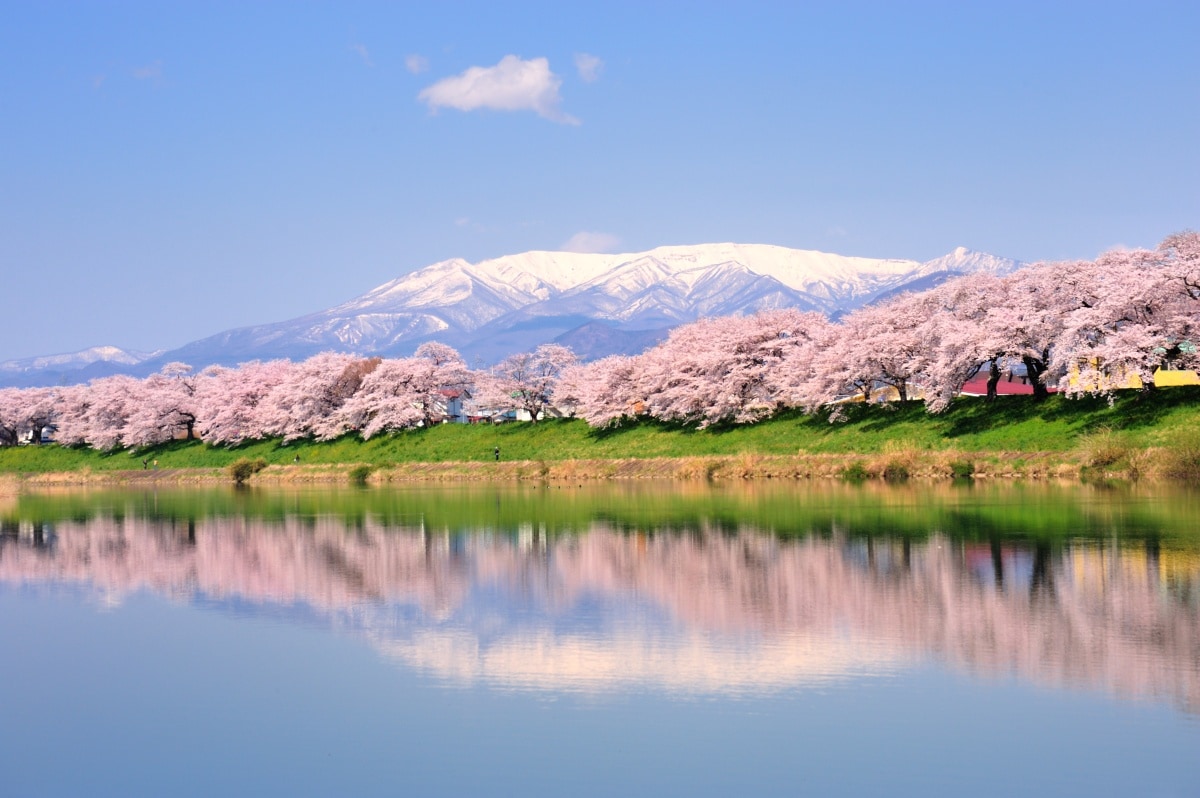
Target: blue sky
[(171, 170)]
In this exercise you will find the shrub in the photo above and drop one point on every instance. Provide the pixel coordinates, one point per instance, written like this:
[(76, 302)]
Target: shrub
[(895, 471), (855, 472), (360, 473), (1139, 463), (244, 468), (962, 469)]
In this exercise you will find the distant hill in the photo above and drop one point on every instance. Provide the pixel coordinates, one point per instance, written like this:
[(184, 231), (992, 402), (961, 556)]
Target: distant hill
[(98, 361)]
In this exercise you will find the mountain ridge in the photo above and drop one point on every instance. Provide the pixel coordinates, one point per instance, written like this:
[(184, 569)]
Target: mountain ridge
[(497, 306)]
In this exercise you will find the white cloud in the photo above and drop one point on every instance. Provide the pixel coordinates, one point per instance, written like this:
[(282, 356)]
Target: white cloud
[(589, 67), (585, 241), (149, 72), (416, 64), (511, 85), (361, 49), (476, 227)]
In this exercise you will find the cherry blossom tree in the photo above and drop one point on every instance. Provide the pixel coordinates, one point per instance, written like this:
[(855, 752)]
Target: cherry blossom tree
[(1027, 318), (604, 391), (165, 407), (406, 392), (524, 381), (333, 423), (439, 372), (793, 378), (875, 345), (229, 399), (439, 354), (1143, 317), (26, 412), (97, 413), (38, 410), (305, 402), (70, 410), (960, 338), (388, 399), (11, 412), (1180, 257), (724, 370)]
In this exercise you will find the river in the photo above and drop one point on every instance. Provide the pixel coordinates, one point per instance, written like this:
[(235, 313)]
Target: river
[(765, 639)]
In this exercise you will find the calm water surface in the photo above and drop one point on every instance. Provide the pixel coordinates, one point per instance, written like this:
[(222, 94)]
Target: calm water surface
[(653, 639)]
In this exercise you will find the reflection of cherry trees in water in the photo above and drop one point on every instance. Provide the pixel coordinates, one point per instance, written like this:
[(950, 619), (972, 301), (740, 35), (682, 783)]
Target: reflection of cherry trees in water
[(1123, 617)]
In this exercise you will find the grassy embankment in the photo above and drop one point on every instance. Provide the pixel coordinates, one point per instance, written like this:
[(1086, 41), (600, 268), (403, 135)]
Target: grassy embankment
[(1155, 434)]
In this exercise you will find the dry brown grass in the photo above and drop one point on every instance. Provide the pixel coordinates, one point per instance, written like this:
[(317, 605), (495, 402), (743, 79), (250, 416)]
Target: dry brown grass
[(919, 464), (1180, 459), (902, 460), (696, 468), (1103, 448)]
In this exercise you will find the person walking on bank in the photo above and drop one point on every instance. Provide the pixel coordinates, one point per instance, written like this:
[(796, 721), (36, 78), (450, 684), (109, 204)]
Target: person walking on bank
[(497, 454)]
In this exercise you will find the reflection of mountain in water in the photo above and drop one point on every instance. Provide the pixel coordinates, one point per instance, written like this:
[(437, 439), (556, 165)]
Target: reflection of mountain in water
[(701, 611)]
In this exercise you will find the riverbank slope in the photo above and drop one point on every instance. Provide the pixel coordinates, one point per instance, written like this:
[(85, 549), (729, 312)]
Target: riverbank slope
[(1140, 434)]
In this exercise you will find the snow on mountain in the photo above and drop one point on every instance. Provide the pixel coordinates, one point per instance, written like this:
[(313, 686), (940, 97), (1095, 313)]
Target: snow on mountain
[(86, 357), (678, 283), (499, 305), (512, 303), (97, 361), (968, 261), (937, 271)]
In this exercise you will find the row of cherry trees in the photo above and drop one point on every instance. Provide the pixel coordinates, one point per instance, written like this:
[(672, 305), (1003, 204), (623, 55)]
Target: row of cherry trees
[(1082, 326), (323, 397)]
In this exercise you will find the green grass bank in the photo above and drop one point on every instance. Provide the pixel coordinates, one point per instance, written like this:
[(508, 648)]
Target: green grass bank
[(1154, 434)]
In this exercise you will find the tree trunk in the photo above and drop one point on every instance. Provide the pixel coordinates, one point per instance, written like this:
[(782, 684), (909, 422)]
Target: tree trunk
[(993, 381), (1034, 369), (1041, 579), (998, 565)]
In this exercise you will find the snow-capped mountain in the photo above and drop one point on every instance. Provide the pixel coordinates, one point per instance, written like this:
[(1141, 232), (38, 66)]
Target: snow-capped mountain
[(88, 363), (598, 303)]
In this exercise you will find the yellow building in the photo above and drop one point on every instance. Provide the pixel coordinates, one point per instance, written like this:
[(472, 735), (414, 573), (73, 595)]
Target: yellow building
[(1163, 378)]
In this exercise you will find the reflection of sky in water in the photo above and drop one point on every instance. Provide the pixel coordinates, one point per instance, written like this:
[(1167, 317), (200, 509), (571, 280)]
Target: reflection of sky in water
[(526, 640)]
